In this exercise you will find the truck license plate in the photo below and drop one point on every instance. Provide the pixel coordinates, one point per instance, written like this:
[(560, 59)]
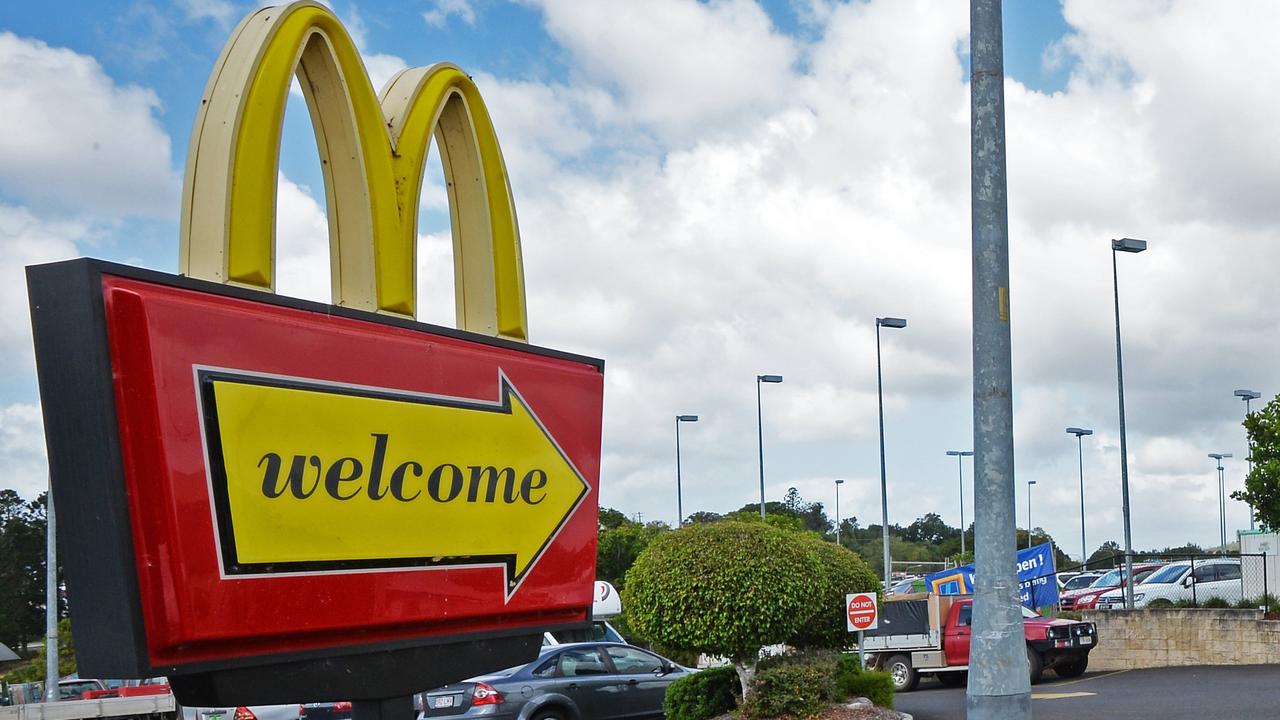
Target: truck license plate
[(1086, 640), (442, 702)]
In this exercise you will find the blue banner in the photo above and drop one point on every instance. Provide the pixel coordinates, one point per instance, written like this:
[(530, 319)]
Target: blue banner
[(1036, 581)]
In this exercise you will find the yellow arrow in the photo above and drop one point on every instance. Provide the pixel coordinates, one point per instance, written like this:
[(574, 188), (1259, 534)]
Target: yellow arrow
[(314, 477)]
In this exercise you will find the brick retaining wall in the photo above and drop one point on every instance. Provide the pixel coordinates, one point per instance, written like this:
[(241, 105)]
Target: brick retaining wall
[(1129, 639)]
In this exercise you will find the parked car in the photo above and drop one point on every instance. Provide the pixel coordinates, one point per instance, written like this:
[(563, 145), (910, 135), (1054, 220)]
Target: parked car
[(908, 585), (1077, 581), (1213, 578), (1087, 599), (580, 681), (291, 711), (606, 604)]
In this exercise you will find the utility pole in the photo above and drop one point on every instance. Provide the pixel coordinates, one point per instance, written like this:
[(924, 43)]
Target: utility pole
[(999, 681), (51, 676)]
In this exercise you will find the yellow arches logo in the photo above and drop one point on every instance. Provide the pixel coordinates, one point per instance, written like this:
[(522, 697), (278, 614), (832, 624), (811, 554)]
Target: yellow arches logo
[(372, 152)]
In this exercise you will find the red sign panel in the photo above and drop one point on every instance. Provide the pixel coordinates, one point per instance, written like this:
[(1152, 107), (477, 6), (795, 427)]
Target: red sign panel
[(275, 478), (862, 611)]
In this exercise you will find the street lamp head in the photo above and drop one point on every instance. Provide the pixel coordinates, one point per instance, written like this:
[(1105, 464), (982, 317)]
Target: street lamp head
[(1248, 394), (960, 453), (1129, 245), (1079, 431), (1219, 456), (686, 418), (839, 482), (890, 322), (769, 378), (1031, 482)]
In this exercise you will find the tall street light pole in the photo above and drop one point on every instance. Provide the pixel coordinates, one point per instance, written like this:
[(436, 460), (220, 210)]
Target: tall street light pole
[(999, 685), (760, 430), (1127, 245), (1222, 500), (679, 500), (884, 487), (1029, 484), (1080, 433), (960, 456), (1246, 396), (838, 484)]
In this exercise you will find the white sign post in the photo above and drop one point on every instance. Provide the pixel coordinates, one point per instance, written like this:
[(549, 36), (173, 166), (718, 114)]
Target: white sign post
[(863, 614)]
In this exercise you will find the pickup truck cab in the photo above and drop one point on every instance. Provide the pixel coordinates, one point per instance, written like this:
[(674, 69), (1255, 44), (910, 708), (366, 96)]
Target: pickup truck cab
[(931, 636)]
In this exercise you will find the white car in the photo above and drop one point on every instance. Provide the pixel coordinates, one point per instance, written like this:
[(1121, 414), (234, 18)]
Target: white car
[(1213, 578)]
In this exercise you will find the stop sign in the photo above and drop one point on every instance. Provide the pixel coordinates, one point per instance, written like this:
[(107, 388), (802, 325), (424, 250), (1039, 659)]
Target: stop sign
[(862, 611)]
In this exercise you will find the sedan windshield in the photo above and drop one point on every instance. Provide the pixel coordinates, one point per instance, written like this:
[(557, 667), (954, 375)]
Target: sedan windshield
[(1110, 579), (1168, 574)]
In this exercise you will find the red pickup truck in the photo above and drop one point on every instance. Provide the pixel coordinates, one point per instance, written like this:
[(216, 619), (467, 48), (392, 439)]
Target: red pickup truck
[(930, 636)]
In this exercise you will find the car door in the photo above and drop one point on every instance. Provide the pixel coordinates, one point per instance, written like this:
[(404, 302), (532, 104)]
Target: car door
[(1225, 585), (642, 680), (956, 641), (587, 679)]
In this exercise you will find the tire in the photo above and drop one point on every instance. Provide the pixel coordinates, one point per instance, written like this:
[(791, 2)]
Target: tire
[(1035, 664), (549, 714), (953, 679), (905, 677), (1074, 668)]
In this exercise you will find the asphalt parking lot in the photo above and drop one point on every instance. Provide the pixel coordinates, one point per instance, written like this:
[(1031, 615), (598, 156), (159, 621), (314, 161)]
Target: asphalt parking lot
[(1184, 693)]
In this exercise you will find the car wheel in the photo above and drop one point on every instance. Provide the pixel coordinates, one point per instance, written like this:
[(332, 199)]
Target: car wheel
[(1072, 669), (905, 677), (552, 714), (1035, 664), (953, 679)]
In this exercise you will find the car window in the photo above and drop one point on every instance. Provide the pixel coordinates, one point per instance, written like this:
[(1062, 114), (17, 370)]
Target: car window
[(582, 661), (1229, 572), (1079, 582), (547, 669), (1206, 573), (1141, 577), (1029, 613), (966, 615), (1109, 580), (1168, 574), (630, 661)]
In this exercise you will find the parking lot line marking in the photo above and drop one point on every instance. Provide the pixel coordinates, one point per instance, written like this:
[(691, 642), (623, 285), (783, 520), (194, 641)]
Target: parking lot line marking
[(1090, 679), (1060, 696)]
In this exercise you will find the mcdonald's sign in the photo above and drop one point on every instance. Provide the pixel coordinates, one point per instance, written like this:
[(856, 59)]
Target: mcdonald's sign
[(252, 487)]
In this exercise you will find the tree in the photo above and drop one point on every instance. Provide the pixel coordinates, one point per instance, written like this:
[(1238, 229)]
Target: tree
[(1262, 486), (618, 547), (610, 518), (844, 572), (703, 516), (1105, 552), (22, 572), (930, 529), (727, 588)]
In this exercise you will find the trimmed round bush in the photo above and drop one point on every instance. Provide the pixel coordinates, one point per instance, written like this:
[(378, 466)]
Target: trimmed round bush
[(843, 573), (702, 695), (725, 588)]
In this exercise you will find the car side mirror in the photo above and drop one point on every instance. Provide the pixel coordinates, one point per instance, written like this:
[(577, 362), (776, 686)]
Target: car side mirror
[(664, 669), (1188, 581)]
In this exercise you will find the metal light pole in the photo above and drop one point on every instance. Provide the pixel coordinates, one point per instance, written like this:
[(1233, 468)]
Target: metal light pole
[(1222, 500), (1128, 245), (1246, 396), (1029, 484), (760, 430), (999, 684), (1080, 433), (838, 484), (960, 456), (51, 674), (679, 500), (884, 487)]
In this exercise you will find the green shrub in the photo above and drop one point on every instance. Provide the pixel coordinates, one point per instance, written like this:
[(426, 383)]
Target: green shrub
[(843, 572), (790, 690), (875, 686), (1069, 615), (702, 695), (1215, 602)]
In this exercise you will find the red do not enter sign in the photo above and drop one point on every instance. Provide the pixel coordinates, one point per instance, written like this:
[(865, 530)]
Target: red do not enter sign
[(862, 611)]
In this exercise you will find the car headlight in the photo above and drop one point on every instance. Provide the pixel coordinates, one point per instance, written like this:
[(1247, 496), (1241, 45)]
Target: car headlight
[(1137, 596)]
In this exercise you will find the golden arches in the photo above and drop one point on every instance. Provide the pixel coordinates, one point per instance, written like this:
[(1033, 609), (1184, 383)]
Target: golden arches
[(372, 153)]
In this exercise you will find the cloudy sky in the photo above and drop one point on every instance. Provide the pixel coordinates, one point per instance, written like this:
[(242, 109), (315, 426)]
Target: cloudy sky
[(708, 191)]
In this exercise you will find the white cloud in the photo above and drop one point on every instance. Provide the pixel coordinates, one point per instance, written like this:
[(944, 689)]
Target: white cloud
[(75, 141), (23, 466), (27, 240), (679, 67), (220, 11), (438, 16)]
